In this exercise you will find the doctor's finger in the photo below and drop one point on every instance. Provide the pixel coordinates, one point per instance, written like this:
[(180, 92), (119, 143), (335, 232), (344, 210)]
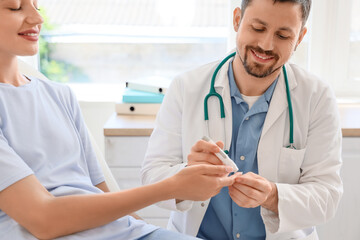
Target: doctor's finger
[(241, 199), (261, 184), (196, 157), (203, 146), (251, 175), (251, 192), (220, 144)]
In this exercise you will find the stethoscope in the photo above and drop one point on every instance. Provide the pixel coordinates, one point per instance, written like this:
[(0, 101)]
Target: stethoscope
[(213, 93)]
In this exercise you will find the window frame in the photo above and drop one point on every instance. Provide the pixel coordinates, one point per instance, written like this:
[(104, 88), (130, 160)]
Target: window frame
[(330, 29), (329, 45)]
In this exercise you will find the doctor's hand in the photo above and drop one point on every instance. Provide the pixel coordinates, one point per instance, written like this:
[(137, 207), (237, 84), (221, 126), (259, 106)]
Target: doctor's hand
[(200, 182), (251, 190), (204, 153)]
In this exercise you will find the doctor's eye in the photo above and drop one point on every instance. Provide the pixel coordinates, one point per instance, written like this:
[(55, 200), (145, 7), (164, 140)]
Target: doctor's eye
[(283, 37), (258, 29)]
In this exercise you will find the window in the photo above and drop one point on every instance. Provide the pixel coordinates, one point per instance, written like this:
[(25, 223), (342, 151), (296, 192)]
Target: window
[(113, 41), (334, 45), (354, 58)]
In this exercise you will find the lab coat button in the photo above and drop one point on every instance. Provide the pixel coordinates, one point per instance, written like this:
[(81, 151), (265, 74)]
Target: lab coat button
[(203, 204), (247, 119), (242, 158), (238, 235)]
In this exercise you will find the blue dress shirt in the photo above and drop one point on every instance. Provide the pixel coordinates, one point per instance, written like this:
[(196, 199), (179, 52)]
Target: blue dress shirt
[(224, 219)]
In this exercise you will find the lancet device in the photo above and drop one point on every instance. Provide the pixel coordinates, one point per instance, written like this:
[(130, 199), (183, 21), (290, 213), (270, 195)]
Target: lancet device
[(222, 155)]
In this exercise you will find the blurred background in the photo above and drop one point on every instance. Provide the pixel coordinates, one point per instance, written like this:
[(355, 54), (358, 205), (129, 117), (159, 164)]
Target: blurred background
[(95, 46)]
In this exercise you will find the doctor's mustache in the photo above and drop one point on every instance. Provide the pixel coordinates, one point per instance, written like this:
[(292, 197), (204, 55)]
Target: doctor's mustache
[(262, 51)]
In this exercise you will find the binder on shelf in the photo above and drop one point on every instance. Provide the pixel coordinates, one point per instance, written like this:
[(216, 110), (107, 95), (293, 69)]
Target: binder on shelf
[(137, 108), (151, 84), (135, 96)]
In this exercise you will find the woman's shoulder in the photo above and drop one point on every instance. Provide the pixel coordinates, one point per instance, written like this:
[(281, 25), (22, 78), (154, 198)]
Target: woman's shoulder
[(56, 90), (51, 85)]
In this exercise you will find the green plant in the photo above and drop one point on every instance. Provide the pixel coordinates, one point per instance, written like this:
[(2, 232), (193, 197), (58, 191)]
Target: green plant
[(58, 71)]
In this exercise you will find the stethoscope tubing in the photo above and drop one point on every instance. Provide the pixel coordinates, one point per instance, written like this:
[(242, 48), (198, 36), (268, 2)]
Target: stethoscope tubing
[(291, 115), (213, 93)]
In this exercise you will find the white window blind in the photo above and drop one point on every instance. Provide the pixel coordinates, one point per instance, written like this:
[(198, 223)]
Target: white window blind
[(113, 41), (331, 48)]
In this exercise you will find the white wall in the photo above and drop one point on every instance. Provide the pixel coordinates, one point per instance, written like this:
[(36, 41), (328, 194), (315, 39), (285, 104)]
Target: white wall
[(346, 222), (31, 60)]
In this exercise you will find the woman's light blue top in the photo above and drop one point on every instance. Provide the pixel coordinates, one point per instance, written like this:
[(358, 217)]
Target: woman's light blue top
[(43, 133)]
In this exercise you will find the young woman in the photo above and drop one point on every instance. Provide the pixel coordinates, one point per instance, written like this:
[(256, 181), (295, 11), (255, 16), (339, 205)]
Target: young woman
[(50, 183)]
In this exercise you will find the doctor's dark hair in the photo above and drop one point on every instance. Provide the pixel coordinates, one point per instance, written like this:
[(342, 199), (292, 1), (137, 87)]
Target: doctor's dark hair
[(305, 7)]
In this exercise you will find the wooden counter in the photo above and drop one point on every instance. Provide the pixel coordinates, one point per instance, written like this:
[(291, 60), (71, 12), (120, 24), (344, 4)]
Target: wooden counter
[(350, 119), (138, 125), (129, 125)]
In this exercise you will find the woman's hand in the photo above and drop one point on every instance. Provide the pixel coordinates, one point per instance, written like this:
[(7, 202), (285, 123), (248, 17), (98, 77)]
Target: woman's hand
[(200, 182)]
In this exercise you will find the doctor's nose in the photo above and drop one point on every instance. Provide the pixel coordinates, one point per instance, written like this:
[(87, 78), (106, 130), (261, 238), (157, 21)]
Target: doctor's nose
[(266, 42)]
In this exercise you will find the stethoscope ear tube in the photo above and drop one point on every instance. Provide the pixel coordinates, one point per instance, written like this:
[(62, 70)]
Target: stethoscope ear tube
[(212, 91)]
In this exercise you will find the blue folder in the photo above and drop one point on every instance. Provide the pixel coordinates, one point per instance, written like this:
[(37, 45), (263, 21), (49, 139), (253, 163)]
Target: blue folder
[(135, 96)]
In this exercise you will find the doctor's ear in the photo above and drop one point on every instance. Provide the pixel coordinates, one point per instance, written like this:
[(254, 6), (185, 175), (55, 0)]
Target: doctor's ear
[(236, 19), (301, 37)]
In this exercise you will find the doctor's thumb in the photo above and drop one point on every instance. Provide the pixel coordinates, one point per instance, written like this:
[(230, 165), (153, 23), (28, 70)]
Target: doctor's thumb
[(226, 181)]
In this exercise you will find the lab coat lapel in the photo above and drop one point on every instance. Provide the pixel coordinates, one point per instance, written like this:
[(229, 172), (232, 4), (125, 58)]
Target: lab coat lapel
[(268, 145), (279, 102)]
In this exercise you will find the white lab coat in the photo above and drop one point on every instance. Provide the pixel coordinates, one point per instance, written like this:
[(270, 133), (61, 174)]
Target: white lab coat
[(308, 180)]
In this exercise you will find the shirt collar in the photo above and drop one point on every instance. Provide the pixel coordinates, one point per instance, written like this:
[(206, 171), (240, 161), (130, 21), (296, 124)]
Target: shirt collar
[(235, 92)]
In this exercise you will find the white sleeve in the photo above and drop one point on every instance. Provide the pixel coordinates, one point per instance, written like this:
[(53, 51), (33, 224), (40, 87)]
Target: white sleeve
[(164, 157)]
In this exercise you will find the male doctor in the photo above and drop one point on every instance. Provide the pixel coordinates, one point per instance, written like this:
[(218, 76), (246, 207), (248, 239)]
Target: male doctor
[(284, 192)]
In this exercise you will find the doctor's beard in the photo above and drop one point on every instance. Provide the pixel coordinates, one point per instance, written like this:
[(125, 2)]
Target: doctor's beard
[(256, 69)]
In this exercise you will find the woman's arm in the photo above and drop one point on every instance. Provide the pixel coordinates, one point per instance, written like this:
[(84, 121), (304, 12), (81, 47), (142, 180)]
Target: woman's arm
[(46, 216), (103, 187)]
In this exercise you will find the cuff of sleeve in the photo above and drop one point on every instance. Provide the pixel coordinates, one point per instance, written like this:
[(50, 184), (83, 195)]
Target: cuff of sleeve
[(21, 174), (180, 207), (278, 223), (184, 205), (271, 219), (98, 180)]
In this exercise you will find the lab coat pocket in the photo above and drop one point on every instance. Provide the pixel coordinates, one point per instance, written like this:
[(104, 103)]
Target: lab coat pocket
[(290, 165)]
